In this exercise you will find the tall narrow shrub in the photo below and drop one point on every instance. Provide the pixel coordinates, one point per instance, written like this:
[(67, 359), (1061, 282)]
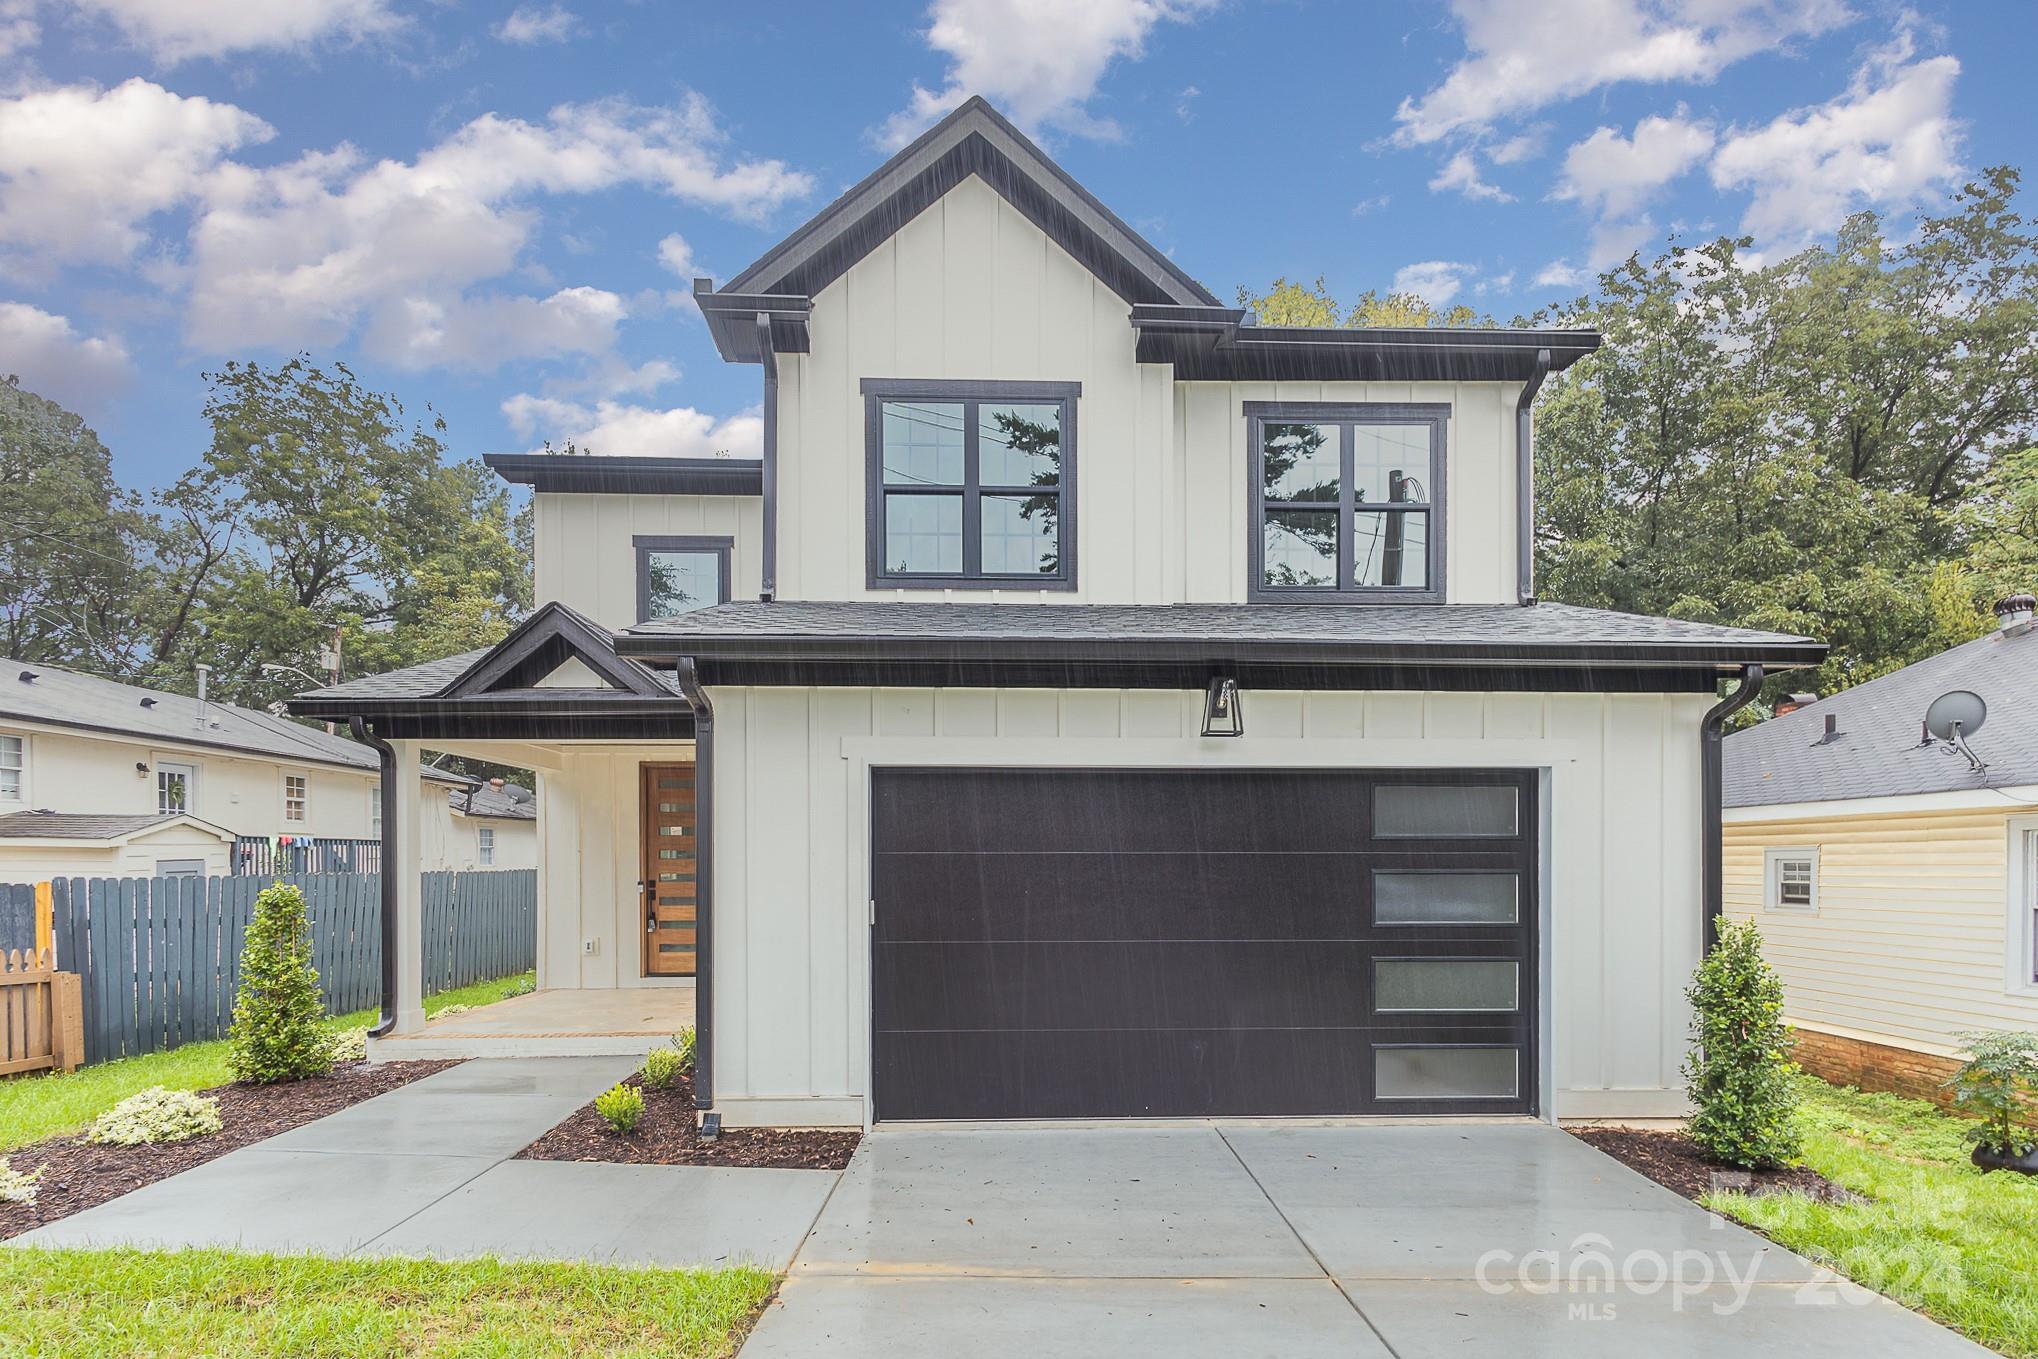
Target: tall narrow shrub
[(1739, 1070), (279, 1031)]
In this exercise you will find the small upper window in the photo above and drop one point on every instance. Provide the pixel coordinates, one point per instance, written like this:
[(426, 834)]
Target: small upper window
[(677, 574), (1347, 502), (296, 797), (13, 767), (971, 485), (485, 840), (176, 788), (1791, 879)]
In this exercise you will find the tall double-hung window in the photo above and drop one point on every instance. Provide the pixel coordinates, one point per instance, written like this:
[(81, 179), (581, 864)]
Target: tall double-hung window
[(1347, 502), (971, 485)]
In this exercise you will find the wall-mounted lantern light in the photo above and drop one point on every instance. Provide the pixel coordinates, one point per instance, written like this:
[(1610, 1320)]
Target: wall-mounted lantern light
[(1222, 715)]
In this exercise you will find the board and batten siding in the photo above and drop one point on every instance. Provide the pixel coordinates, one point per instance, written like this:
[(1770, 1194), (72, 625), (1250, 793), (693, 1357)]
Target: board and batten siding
[(970, 289), (1909, 944), (586, 559), (791, 836)]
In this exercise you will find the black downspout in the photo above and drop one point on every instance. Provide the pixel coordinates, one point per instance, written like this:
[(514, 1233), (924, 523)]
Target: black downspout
[(387, 873), (1712, 762), (1525, 482), (704, 882), (769, 538)]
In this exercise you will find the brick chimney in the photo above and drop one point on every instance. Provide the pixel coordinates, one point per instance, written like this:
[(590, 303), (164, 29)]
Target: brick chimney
[(1790, 703)]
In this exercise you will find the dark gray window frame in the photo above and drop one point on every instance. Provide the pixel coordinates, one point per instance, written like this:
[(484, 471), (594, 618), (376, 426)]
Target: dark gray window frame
[(644, 544), (1259, 414), (877, 391)]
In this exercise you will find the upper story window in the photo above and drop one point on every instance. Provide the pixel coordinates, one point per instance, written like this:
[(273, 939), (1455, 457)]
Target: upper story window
[(1347, 502), (971, 484), (676, 574), (13, 767), (296, 797), (484, 843), (176, 788)]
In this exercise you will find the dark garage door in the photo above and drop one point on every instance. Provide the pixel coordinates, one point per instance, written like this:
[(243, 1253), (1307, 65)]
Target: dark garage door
[(1070, 943)]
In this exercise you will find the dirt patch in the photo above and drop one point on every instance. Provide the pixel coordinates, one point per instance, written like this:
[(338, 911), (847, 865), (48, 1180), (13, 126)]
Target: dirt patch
[(667, 1137), (83, 1175), (1674, 1161)]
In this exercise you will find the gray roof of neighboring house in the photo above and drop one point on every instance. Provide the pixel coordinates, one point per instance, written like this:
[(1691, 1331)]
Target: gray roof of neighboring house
[(412, 681), (70, 698), (511, 802), (43, 825), (1878, 752)]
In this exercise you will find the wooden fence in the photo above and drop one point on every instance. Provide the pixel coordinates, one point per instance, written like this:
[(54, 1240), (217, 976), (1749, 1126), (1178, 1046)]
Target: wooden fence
[(160, 958), (40, 1025)]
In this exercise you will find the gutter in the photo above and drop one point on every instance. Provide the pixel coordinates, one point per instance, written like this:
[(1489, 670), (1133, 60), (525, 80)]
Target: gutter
[(770, 535), (386, 1021), (1712, 800), (704, 884), (1525, 482)]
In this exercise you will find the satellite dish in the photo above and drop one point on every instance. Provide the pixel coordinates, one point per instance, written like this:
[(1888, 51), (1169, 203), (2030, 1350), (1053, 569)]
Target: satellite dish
[(1955, 714)]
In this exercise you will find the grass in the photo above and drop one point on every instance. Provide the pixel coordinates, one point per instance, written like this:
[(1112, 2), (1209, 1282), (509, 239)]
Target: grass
[(1937, 1234), (218, 1304), (35, 1107)]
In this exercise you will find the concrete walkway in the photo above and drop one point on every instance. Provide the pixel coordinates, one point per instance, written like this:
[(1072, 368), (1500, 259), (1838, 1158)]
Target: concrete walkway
[(425, 1170), (1197, 1242)]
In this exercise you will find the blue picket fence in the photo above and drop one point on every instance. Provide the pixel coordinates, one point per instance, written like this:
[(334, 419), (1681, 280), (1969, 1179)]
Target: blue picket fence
[(160, 958)]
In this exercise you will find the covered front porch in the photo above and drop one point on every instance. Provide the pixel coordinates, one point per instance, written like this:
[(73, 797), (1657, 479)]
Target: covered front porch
[(569, 1022)]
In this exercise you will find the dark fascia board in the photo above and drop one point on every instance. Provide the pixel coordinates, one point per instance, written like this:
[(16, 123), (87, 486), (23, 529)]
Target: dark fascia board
[(732, 321), (1031, 673), (539, 645), (975, 139), (521, 715), (593, 474), (1215, 344)]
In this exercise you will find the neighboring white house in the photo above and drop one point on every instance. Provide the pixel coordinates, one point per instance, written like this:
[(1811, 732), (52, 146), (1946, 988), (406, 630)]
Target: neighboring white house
[(1092, 704), (484, 825), (99, 778), (1896, 885)]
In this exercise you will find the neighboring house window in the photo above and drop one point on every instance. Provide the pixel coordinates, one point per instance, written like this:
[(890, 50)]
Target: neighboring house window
[(1791, 879), (295, 797), (1347, 502), (680, 574), (13, 768), (971, 484), (176, 788), (2023, 932), (375, 812), (486, 836)]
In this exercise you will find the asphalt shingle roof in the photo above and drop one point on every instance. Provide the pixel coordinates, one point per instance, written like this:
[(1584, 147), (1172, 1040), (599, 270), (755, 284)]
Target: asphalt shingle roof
[(1878, 752), (40, 825), (512, 802), (71, 698)]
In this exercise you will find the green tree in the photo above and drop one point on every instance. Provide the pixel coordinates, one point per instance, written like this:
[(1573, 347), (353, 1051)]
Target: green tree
[(1739, 1068), (1286, 303), (278, 1031)]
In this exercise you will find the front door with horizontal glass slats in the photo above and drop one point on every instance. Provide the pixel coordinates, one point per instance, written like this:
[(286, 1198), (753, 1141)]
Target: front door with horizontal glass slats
[(670, 859)]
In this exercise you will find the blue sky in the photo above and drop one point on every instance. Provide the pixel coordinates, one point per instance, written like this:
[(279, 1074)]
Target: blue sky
[(495, 209)]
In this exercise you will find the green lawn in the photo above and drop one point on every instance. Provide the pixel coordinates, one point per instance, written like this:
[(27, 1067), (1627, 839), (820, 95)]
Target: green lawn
[(1937, 1234), (35, 1107), (221, 1305)]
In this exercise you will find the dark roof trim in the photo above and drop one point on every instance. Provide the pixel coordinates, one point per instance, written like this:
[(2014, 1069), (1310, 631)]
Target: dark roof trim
[(732, 321), (1215, 344), (541, 644), (628, 475)]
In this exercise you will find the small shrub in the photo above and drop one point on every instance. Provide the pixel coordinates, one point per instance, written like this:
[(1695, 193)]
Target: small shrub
[(2000, 1074), (347, 1045), (683, 1042), (662, 1066), (621, 1107), (1739, 1070), (156, 1115), (522, 986), (453, 1009), (16, 1186), (279, 1031)]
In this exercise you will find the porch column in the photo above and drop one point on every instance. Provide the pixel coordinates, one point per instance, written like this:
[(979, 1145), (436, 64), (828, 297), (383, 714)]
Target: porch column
[(400, 836)]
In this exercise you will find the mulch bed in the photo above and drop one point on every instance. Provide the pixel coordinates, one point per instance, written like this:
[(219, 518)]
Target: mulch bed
[(1674, 1161), (84, 1175), (667, 1136)]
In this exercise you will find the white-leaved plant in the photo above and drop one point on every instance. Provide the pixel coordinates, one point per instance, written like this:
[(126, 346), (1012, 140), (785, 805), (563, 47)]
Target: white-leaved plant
[(156, 1115), (18, 1186), (348, 1045)]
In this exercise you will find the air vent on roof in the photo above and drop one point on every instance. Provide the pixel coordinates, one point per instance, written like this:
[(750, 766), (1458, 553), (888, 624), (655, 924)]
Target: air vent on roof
[(27, 677), (148, 703)]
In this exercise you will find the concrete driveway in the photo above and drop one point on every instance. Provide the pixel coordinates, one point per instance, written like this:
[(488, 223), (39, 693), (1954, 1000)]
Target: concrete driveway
[(1489, 1239)]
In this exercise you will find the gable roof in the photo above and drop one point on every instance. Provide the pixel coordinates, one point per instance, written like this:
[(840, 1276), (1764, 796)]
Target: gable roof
[(1877, 751), (542, 643), (56, 696), (511, 802), (95, 828)]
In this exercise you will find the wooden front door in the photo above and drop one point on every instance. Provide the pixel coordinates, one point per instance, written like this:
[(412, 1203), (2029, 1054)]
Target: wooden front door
[(670, 840)]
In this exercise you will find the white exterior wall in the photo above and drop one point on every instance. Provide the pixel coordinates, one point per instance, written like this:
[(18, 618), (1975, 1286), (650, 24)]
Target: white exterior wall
[(791, 834), (33, 862), (585, 558), (452, 840), (1915, 938)]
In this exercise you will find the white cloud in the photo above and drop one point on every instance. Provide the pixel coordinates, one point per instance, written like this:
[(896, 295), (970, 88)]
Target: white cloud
[(305, 252), (1499, 283), (1461, 173), (83, 169), (618, 428), (1521, 57), (1038, 60), (1615, 175), (529, 24), (173, 30), (52, 359), (18, 28), (1526, 146), (677, 256), (1434, 281), (1366, 206), (1890, 141), (1562, 274), (1185, 102)]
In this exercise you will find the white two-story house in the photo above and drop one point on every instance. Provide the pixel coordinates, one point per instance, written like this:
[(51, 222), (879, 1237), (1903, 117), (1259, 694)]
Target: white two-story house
[(1092, 704)]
